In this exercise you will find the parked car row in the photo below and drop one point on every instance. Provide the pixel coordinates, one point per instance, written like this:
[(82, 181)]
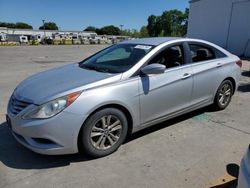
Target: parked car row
[(58, 38)]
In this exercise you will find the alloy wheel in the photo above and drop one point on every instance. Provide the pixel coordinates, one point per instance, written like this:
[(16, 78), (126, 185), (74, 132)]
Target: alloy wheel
[(225, 94), (106, 132)]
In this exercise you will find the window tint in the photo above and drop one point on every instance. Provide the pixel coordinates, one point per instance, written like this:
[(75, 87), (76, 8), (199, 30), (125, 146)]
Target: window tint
[(201, 53), (117, 54), (170, 57), (219, 54)]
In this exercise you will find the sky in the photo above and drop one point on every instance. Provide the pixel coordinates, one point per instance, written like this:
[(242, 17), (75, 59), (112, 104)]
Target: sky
[(78, 14)]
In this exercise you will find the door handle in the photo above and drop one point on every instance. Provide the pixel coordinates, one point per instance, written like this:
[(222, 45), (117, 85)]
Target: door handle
[(219, 65), (186, 75)]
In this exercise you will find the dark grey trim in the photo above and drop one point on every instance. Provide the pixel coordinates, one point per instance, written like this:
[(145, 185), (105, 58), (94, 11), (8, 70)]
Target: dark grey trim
[(188, 58), (193, 1)]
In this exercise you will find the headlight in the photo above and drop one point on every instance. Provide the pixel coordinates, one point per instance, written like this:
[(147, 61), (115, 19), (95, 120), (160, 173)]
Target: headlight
[(52, 108)]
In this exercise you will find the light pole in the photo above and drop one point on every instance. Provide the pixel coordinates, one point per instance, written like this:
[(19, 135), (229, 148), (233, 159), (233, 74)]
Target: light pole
[(44, 28), (7, 35), (121, 26)]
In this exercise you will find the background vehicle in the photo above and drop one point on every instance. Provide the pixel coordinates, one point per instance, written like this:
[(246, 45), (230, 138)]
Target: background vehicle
[(244, 175), (36, 37), (93, 105), (3, 37), (47, 40), (23, 39)]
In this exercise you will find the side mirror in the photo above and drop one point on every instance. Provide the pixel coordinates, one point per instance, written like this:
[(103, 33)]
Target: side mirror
[(153, 69)]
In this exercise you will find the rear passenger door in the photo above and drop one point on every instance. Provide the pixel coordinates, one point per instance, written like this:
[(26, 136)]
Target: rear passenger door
[(207, 72)]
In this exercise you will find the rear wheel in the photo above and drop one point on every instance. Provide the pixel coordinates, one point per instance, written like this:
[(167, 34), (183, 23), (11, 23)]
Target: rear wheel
[(223, 95), (104, 132)]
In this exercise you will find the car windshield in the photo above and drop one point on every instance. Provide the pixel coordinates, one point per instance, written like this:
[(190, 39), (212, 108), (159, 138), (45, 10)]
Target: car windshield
[(117, 58)]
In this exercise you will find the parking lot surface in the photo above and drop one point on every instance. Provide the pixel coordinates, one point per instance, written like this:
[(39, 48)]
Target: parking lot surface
[(189, 151)]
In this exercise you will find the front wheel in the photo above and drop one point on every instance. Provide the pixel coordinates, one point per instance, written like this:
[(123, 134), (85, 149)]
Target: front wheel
[(104, 132), (223, 95)]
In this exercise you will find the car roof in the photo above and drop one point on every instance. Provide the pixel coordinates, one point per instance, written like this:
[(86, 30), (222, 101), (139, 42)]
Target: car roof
[(154, 41)]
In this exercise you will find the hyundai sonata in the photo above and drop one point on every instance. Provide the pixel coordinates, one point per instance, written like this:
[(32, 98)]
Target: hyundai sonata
[(91, 106)]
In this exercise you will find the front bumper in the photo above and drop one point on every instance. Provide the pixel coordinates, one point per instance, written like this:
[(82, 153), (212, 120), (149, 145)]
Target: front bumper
[(53, 136)]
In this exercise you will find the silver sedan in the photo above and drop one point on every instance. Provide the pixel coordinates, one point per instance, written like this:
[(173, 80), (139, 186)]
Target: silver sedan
[(91, 106)]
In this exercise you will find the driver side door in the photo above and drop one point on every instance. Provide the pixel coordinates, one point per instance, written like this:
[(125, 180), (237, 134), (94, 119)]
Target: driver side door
[(162, 95)]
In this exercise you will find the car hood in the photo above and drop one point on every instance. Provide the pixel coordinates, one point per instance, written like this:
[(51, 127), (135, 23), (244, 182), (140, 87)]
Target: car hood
[(58, 82)]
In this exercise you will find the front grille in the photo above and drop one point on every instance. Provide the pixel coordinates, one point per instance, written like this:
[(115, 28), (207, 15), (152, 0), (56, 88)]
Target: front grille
[(16, 105)]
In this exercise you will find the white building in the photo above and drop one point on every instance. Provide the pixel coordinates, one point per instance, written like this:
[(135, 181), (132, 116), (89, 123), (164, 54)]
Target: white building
[(224, 22)]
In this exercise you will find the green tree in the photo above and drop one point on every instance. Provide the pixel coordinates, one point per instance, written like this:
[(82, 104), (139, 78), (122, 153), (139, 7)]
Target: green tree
[(90, 28), (184, 26), (99, 31), (49, 26), (131, 33), (135, 33), (154, 26), (110, 30), (177, 22), (151, 25), (22, 25), (127, 32), (144, 32), (170, 23), (158, 26), (18, 25), (167, 26)]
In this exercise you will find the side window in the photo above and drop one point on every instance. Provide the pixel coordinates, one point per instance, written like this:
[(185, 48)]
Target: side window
[(201, 53), (170, 57), (219, 54)]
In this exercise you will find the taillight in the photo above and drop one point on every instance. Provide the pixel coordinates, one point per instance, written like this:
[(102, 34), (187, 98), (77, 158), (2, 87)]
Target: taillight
[(239, 63)]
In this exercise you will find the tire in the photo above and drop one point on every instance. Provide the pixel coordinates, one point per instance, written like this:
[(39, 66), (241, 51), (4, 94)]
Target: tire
[(223, 95), (103, 132)]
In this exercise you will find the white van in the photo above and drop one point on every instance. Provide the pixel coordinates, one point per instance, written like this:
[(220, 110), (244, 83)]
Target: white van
[(23, 39)]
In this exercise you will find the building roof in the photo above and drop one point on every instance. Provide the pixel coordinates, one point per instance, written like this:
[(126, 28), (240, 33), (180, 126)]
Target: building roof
[(154, 41)]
